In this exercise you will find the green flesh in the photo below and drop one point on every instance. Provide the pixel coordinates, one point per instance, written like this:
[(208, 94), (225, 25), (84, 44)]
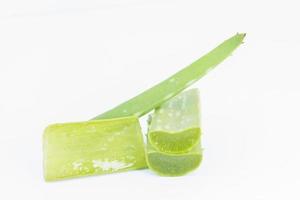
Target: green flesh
[(173, 164), (160, 93), (175, 126), (93, 147)]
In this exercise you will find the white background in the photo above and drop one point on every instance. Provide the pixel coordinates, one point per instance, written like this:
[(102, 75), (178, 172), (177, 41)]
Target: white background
[(69, 60)]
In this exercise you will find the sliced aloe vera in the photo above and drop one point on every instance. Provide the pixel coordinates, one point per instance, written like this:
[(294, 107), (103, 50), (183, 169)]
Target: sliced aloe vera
[(175, 126), (155, 96), (165, 164), (92, 147)]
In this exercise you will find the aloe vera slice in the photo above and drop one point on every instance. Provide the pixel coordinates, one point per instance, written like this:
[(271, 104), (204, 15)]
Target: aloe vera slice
[(165, 164), (175, 126), (155, 96), (92, 147)]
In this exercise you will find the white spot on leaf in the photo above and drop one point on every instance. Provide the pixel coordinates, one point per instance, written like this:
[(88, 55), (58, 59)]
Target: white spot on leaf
[(77, 165), (110, 165)]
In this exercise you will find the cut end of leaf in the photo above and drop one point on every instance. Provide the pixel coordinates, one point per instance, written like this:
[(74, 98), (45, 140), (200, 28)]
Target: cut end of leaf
[(178, 142), (172, 164)]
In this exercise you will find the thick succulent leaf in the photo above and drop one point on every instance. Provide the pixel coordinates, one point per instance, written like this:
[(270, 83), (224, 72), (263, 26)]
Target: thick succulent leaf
[(93, 147)]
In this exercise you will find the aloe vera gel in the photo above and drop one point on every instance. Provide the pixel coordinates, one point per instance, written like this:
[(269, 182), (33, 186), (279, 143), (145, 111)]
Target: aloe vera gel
[(166, 164), (93, 147)]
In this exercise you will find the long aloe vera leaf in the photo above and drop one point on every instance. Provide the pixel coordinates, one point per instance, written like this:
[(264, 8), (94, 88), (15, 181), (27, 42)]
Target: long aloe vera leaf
[(155, 96), (175, 125), (165, 164), (92, 147)]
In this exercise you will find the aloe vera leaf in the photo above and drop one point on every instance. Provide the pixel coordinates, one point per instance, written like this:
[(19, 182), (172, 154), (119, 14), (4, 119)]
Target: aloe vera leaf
[(166, 164), (155, 96), (92, 147), (175, 125)]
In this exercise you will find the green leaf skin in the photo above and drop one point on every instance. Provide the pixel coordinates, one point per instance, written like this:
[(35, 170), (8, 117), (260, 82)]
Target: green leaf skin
[(92, 147), (165, 164), (160, 93), (175, 126)]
